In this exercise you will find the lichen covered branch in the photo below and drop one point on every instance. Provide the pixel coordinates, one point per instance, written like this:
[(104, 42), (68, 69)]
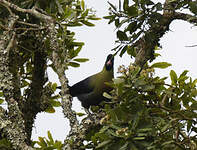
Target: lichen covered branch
[(32, 11), (66, 98), (12, 124)]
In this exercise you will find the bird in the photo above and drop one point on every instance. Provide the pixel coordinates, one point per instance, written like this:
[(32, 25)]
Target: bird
[(90, 90)]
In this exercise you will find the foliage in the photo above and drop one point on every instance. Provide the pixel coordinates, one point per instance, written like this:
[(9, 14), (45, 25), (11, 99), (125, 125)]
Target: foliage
[(33, 44), (5, 144), (48, 144), (144, 113), (137, 18), (25, 27), (147, 113)]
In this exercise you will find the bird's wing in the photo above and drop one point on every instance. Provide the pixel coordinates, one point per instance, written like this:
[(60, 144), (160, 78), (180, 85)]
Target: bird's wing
[(82, 87)]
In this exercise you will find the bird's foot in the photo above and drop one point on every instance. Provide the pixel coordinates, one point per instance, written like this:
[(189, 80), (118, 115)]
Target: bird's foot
[(90, 115)]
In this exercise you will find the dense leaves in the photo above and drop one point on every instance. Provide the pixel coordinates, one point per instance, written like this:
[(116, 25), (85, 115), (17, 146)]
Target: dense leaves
[(32, 39), (149, 114), (145, 111), (31, 56), (48, 144), (137, 18)]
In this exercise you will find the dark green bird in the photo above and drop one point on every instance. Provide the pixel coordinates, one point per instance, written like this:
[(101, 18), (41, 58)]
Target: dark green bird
[(90, 90)]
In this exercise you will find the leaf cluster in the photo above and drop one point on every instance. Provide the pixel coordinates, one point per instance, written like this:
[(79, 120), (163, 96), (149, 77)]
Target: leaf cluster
[(147, 113), (137, 18), (48, 143), (32, 51)]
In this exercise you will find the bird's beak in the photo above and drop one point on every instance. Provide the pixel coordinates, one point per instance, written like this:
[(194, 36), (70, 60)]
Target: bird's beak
[(109, 63)]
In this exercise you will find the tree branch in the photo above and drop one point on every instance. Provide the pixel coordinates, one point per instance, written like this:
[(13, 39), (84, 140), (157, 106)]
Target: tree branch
[(66, 98), (146, 44), (31, 106), (14, 129), (186, 17), (32, 11)]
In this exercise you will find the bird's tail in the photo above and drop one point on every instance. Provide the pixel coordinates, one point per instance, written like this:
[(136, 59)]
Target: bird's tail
[(58, 87)]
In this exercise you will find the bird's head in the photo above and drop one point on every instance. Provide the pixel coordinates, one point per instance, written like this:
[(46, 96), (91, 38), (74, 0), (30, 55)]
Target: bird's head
[(109, 63)]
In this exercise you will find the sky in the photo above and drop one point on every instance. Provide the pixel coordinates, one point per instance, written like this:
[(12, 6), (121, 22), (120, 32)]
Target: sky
[(99, 41)]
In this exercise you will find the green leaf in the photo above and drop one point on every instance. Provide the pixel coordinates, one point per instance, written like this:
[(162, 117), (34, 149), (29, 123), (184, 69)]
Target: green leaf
[(132, 27), (131, 51), (80, 114), (170, 1), (54, 86), (189, 125), (1, 94), (59, 6), (58, 145), (122, 36), (123, 50), (109, 17), (24, 83), (118, 80), (138, 138), (77, 50), (125, 5), (93, 18), (184, 73), (161, 65), (194, 82), (107, 95), (125, 146), (145, 129), (157, 55), (81, 59), (104, 143), (83, 4), (194, 106), (50, 137), (183, 77), (117, 22), (149, 2), (77, 43), (159, 6), (5, 144), (173, 77), (85, 13), (135, 36), (167, 143), (42, 142), (87, 23), (112, 6), (1, 101), (193, 7), (73, 64), (165, 127), (132, 11), (55, 103), (74, 24), (50, 110), (148, 87)]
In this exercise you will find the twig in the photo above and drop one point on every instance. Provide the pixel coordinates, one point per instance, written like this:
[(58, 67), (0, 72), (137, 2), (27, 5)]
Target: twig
[(3, 27), (28, 24), (32, 11), (191, 46), (30, 29)]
